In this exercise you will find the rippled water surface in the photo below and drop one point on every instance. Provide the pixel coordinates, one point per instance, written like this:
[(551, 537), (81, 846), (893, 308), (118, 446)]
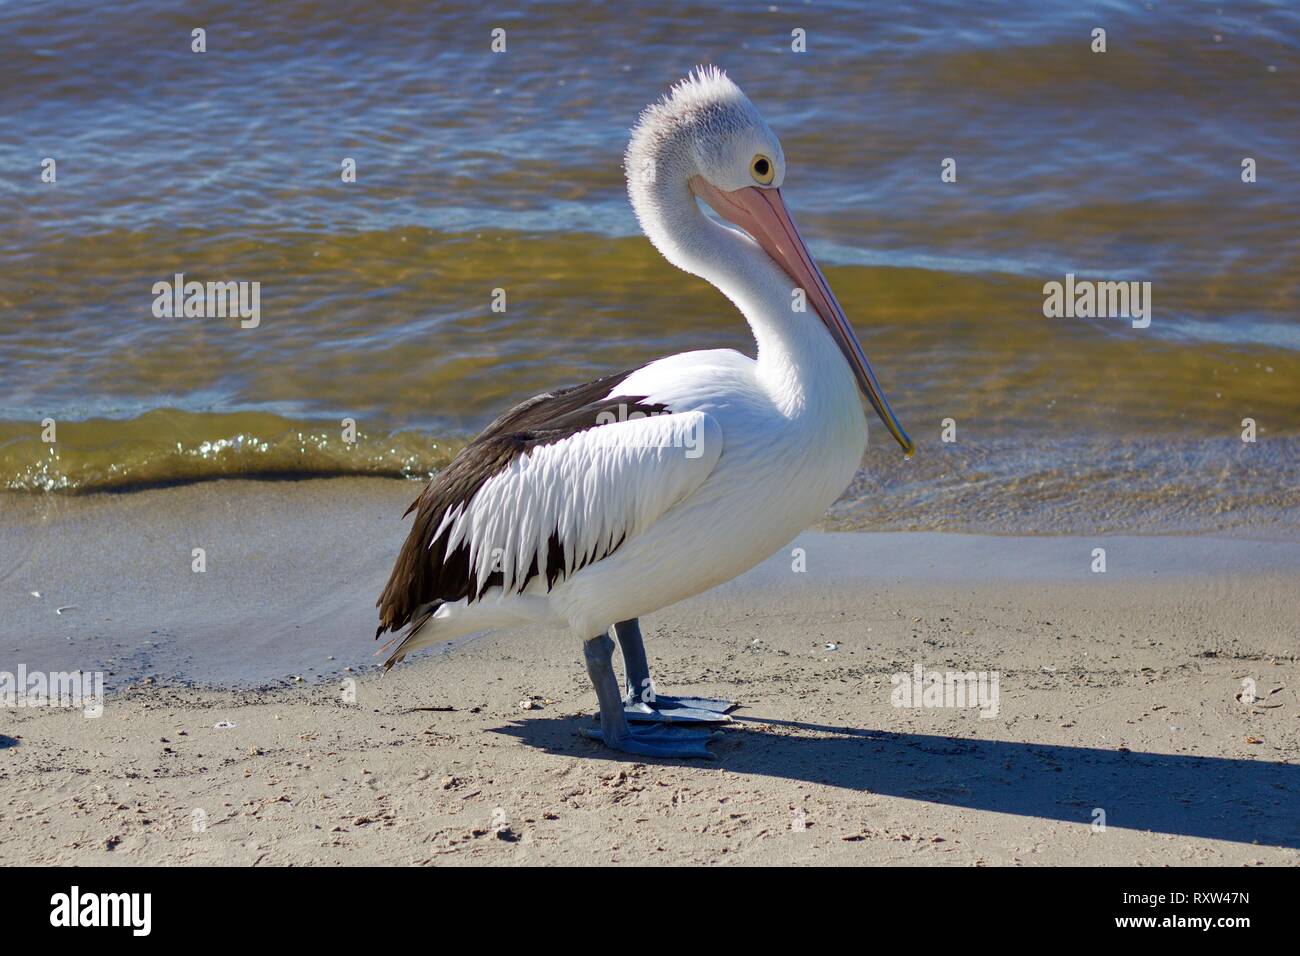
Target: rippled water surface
[(478, 171)]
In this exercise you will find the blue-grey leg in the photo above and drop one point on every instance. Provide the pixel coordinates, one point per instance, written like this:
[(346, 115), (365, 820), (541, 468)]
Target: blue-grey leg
[(640, 700), (659, 740)]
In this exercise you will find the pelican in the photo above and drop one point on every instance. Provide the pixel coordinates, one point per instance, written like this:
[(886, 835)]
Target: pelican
[(590, 506)]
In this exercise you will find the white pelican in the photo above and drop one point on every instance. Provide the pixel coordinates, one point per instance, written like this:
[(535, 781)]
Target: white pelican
[(590, 506)]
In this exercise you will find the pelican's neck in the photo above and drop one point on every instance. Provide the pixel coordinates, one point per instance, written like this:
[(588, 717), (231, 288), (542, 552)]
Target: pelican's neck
[(798, 361)]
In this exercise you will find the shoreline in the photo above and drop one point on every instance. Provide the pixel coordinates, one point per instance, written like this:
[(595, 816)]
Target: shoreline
[(292, 569)]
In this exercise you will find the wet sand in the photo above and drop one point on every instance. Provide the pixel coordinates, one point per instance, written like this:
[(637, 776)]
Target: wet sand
[(1119, 692)]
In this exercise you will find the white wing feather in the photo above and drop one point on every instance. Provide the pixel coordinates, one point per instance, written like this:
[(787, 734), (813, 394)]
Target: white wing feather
[(593, 489)]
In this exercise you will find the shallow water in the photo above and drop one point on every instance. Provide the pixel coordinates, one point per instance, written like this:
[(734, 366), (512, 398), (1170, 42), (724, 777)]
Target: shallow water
[(478, 171), (104, 583)]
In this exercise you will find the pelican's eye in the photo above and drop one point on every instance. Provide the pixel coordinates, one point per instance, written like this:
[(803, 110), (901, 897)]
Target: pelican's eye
[(761, 168)]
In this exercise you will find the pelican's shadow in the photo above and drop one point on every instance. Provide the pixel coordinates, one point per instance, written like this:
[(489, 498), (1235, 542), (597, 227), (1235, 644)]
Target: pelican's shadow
[(1217, 798)]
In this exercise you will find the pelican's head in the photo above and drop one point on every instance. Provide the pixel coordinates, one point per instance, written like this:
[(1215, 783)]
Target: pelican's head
[(706, 139)]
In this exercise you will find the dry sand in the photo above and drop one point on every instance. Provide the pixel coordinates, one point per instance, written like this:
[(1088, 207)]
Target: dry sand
[(1118, 691)]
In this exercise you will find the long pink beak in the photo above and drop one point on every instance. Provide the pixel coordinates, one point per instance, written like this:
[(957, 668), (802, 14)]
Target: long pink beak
[(762, 214)]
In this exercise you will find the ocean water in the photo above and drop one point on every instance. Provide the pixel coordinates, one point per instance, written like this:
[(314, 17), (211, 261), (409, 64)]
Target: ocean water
[(478, 170)]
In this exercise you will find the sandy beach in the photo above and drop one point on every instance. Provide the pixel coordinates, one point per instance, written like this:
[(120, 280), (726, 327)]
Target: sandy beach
[(1119, 692)]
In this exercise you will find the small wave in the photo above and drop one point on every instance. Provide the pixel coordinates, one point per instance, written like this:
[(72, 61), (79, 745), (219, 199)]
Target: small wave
[(168, 447)]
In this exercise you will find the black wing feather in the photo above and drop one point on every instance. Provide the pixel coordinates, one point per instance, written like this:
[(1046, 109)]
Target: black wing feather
[(425, 575)]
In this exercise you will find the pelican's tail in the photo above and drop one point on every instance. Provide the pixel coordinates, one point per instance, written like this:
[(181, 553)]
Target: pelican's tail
[(414, 638), (445, 621)]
